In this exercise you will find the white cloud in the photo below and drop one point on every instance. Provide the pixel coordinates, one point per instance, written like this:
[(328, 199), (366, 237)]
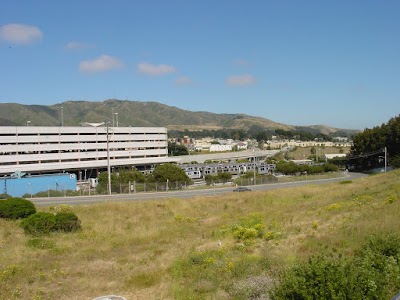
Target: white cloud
[(153, 70), (102, 64), (183, 80), (241, 80), (20, 34), (77, 46)]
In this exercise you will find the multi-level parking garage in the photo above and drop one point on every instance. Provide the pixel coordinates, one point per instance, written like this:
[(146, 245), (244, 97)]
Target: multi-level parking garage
[(80, 150)]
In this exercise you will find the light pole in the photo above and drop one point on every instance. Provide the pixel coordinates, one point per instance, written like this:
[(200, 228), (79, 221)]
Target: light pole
[(30, 188), (116, 116), (28, 122), (113, 115), (62, 116), (385, 157), (108, 162), (254, 162)]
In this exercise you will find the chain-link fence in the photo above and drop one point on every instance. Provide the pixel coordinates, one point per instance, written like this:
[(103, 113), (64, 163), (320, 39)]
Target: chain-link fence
[(84, 188)]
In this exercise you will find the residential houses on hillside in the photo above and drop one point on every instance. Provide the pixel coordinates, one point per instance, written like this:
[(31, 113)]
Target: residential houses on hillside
[(278, 144), (209, 144)]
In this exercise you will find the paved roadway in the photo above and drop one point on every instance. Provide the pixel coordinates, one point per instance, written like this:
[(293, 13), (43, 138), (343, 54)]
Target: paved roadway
[(78, 200)]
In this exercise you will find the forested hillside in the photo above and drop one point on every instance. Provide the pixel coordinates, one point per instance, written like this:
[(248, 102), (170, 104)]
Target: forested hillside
[(369, 145)]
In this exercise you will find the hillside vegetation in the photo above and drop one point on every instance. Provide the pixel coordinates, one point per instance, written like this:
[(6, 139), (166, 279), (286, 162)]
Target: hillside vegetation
[(226, 247), (136, 113)]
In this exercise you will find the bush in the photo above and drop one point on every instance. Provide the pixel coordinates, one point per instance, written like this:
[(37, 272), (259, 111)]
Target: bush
[(39, 223), (329, 167), (16, 208), (67, 222), (249, 227), (5, 196), (44, 223), (372, 273)]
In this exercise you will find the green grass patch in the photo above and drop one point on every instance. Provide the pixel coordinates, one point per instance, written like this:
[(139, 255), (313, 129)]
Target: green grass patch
[(345, 182)]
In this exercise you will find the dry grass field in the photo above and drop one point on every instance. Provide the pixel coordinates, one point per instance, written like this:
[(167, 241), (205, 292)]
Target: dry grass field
[(200, 248)]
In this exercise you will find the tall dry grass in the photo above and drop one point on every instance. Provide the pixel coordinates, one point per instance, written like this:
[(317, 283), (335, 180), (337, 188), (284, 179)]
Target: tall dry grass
[(133, 249)]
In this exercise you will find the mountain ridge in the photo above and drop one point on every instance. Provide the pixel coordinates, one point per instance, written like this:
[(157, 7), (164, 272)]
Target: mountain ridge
[(138, 113)]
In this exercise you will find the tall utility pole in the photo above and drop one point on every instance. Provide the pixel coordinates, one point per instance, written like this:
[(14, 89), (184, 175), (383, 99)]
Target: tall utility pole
[(62, 116), (384, 150), (108, 162), (116, 116), (254, 161), (385, 159)]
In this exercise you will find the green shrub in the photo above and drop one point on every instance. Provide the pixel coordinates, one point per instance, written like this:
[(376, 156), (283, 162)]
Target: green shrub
[(319, 278), (372, 273), (5, 196), (243, 233), (345, 182), (249, 227), (39, 223), (16, 208), (67, 222)]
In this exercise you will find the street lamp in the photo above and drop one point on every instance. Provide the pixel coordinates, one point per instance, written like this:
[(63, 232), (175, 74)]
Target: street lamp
[(385, 157), (62, 116), (116, 116), (28, 122), (108, 161), (254, 162), (30, 188)]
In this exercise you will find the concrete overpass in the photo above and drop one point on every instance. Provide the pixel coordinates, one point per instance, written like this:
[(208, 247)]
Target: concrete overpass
[(201, 158)]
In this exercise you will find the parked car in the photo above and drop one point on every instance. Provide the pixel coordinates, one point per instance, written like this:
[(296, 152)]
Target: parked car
[(242, 189)]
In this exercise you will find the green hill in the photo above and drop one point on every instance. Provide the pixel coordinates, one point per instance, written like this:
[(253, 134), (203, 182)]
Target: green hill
[(135, 113)]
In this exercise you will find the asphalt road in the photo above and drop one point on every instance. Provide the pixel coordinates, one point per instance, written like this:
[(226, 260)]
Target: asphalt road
[(79, 200)]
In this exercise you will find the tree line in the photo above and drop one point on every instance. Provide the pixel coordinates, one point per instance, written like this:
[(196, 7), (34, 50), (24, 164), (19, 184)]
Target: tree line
[(161, 173), (368, 146), (254, 132)]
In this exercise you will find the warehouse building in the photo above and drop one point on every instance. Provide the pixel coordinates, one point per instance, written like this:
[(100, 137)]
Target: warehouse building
[(19, 185), (81, 150)]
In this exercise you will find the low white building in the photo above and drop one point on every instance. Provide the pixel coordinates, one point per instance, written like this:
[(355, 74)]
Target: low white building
[(219, 148), (39, 149), (334, 155), (202, 144), (241, 146)]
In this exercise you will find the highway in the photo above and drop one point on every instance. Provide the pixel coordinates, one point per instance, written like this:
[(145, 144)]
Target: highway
[(84, 200)]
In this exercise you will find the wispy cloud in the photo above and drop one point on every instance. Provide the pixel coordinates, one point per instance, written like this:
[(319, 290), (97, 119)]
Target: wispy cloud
[(20, 34), (78, 46), (241, 80), (242, 63), (102, 64), (183, 80), (155, 70)]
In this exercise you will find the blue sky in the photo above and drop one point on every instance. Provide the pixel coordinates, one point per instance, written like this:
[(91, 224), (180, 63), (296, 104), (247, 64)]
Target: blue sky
[(297, 62)]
